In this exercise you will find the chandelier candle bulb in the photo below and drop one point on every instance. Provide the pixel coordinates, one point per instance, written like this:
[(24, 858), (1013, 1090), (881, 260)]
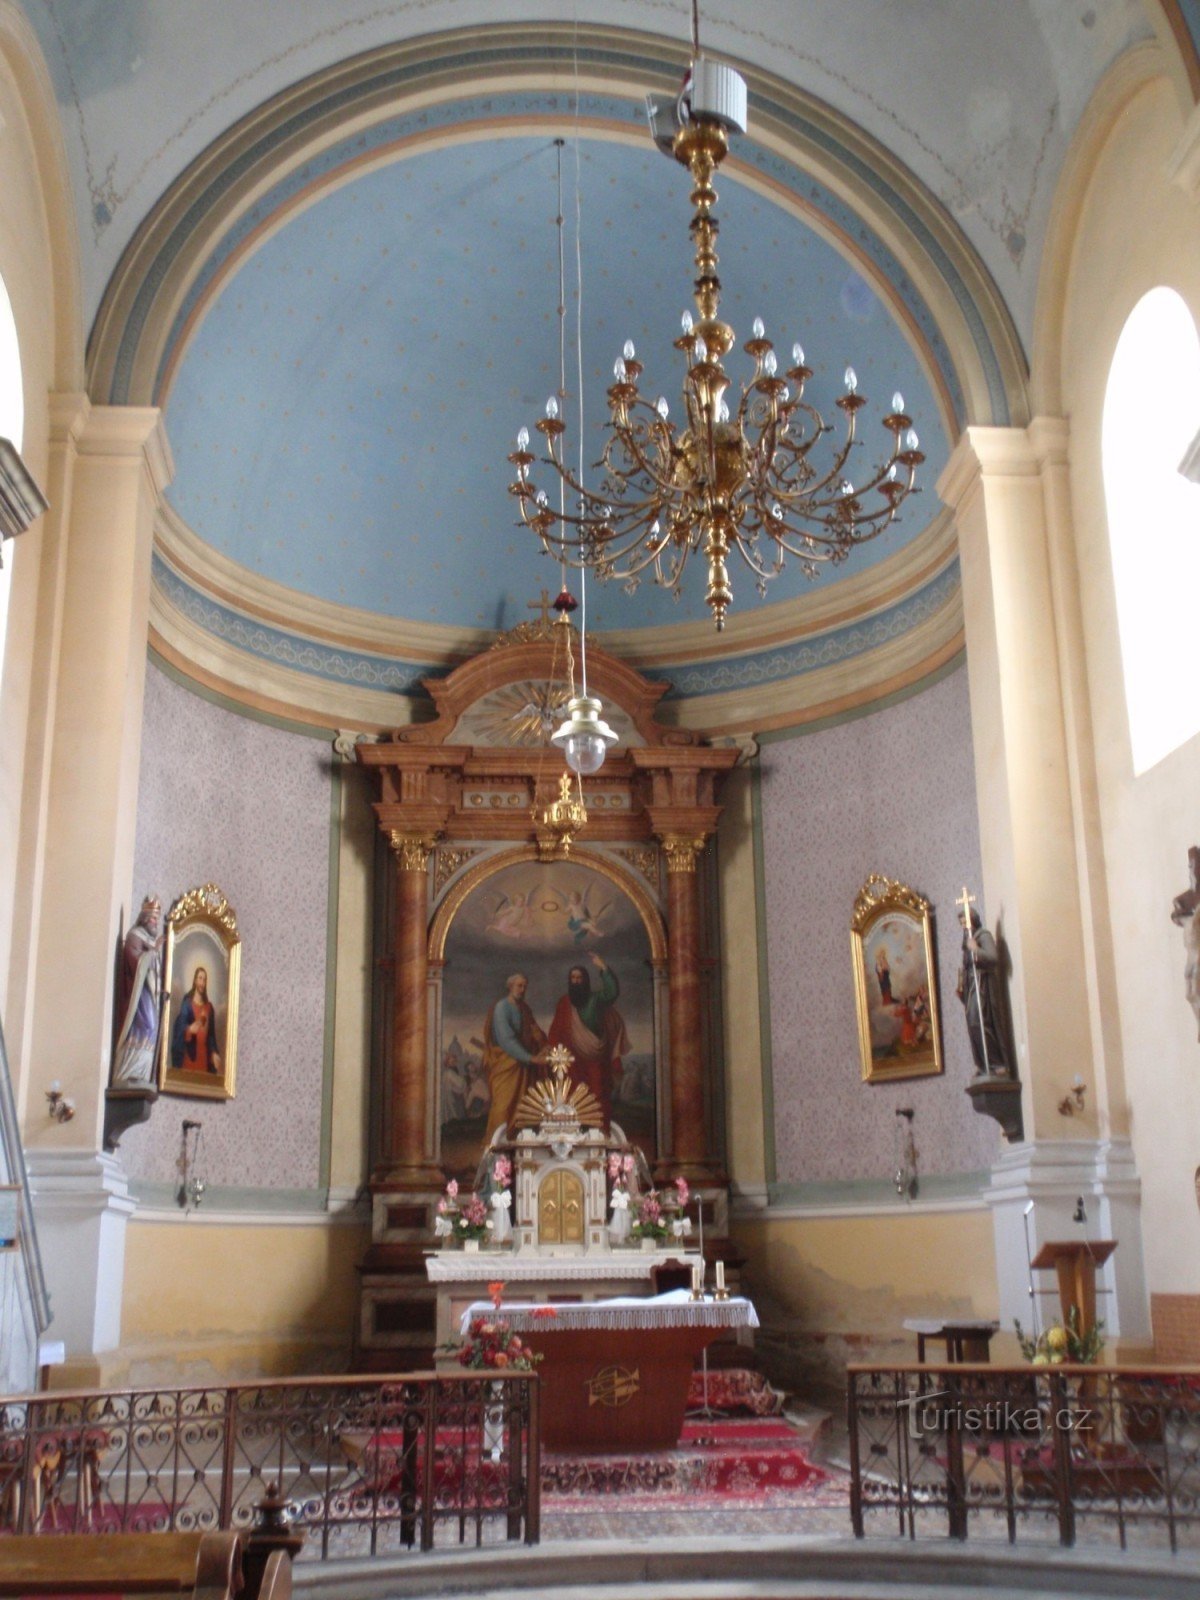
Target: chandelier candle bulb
[(851, 380), (898, 403)]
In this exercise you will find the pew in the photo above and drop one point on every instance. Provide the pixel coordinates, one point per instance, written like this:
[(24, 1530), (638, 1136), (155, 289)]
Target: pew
[(108, 1566)]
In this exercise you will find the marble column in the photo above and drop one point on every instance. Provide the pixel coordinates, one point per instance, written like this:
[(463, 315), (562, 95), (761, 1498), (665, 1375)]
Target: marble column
[(688, 1156), (409, 1165)]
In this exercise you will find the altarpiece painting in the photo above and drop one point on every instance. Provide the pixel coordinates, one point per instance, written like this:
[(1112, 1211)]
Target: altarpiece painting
[(542, 953)]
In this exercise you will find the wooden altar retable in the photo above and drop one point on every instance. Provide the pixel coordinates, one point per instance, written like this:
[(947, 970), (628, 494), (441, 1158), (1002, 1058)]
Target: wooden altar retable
[(615, 1372)]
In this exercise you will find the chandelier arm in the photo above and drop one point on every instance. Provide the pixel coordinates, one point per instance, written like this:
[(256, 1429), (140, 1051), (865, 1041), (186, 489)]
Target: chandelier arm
[(754, 561), (627, 437)]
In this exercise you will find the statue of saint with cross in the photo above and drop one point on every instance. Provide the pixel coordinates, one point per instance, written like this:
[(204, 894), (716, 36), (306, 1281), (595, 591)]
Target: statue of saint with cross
[(981, 990)]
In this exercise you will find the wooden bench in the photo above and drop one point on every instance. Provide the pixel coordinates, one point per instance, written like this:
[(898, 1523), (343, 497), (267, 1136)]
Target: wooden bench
[(206, 1566)]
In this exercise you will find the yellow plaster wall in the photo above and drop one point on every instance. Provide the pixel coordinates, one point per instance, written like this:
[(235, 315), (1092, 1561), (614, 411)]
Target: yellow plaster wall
[(855, 1279), (1136, 229), (236, 1300)]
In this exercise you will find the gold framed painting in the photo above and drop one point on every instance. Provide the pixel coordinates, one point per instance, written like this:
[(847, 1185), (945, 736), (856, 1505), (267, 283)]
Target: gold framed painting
[(895, 982), (201, 980)]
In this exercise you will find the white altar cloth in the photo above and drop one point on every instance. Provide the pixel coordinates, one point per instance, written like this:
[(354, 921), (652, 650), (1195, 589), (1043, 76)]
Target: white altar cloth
[(675, 1309), (455, 1266)]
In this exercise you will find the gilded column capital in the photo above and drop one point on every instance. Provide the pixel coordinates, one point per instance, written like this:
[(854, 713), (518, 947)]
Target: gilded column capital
[(412, 849), (681, 851)]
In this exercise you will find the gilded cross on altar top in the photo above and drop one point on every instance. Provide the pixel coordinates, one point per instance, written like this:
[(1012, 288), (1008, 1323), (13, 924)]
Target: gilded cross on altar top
[(542, 607)]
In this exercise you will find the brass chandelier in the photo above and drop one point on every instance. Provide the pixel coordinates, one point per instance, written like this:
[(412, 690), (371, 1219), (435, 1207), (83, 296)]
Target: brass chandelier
[(732, 477)]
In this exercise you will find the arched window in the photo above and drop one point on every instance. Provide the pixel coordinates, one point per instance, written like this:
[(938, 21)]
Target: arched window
[(1151, 416), (12, 426)]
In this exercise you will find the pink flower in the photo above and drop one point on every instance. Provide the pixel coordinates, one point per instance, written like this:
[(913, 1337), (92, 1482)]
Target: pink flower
[(614, 1165), (452, 1188), (501, 1171), (627, 1163), (681, 1190)]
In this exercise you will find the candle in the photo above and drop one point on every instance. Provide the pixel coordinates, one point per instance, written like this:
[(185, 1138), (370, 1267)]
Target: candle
[(697, 1278), (720, 1274)]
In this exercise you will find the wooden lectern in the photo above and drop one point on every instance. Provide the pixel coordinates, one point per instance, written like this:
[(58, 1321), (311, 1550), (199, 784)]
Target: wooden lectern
[(1075, 1261)]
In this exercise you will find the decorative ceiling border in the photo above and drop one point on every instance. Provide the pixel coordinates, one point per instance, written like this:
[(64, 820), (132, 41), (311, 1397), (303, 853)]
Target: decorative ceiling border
[(173, 247), (822, 673)]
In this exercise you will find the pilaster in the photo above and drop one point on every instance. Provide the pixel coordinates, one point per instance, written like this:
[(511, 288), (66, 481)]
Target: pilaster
[(1039, 832), (1034, 1197), (82, 1204), (121, 464)]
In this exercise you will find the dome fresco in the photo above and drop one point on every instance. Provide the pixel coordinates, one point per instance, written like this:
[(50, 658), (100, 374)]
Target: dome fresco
[(414, 308)]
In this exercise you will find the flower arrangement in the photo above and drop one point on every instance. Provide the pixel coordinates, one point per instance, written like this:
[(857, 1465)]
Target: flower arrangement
[(620, 1170), (491, 1343), (459, 1218), (500, 1199), (1062, 1342), (650, 1223), (676, 1204)]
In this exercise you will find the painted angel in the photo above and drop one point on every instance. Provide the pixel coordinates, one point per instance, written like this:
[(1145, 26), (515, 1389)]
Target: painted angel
[(511, 916), (581, 920)]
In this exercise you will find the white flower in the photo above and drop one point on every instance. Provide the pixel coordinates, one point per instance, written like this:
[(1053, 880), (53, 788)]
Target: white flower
[(489, 1223)]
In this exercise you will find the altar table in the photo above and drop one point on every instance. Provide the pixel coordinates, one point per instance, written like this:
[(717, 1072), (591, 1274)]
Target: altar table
[(615, 1372)]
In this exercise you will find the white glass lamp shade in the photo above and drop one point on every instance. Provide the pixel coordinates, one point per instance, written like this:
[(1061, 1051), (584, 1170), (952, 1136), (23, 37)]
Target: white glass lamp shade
[(583, 738)]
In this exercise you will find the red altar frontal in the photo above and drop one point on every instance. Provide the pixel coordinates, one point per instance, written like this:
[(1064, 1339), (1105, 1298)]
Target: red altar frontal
[(615, 1373)]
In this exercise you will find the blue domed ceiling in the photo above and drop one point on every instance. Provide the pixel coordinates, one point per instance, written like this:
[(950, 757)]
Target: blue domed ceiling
[(345, 386)]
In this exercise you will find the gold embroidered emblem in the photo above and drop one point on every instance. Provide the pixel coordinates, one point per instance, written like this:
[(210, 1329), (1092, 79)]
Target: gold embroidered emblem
[(613, 1386)]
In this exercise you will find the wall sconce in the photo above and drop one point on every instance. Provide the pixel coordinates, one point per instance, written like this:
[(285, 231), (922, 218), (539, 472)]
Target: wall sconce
[(191, 1186), (906, 1177), (1071, 1104), (62, 1107)]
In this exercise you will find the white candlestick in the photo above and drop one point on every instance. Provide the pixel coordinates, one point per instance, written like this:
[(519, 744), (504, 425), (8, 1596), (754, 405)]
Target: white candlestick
[(720, 1274), (697, 1277)]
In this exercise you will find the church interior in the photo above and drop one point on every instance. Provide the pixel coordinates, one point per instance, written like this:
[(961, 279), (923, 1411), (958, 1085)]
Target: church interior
[(281, 663)]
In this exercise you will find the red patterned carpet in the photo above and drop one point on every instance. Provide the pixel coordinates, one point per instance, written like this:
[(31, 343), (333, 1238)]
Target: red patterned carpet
[(750, 1463)]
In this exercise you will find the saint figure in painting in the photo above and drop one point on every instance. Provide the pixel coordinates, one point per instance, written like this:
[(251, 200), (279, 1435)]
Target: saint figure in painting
[(139, 1000), (883, 975), (194, 1045), (593, 1030), (513, 1049)]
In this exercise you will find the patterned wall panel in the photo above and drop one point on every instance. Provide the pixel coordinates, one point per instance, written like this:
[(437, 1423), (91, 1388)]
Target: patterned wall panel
[(892, 793), (226, 799)]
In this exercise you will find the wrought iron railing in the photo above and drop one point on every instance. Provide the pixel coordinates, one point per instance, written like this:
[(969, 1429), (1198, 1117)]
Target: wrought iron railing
[(1064, 1453), (365, 1465)]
